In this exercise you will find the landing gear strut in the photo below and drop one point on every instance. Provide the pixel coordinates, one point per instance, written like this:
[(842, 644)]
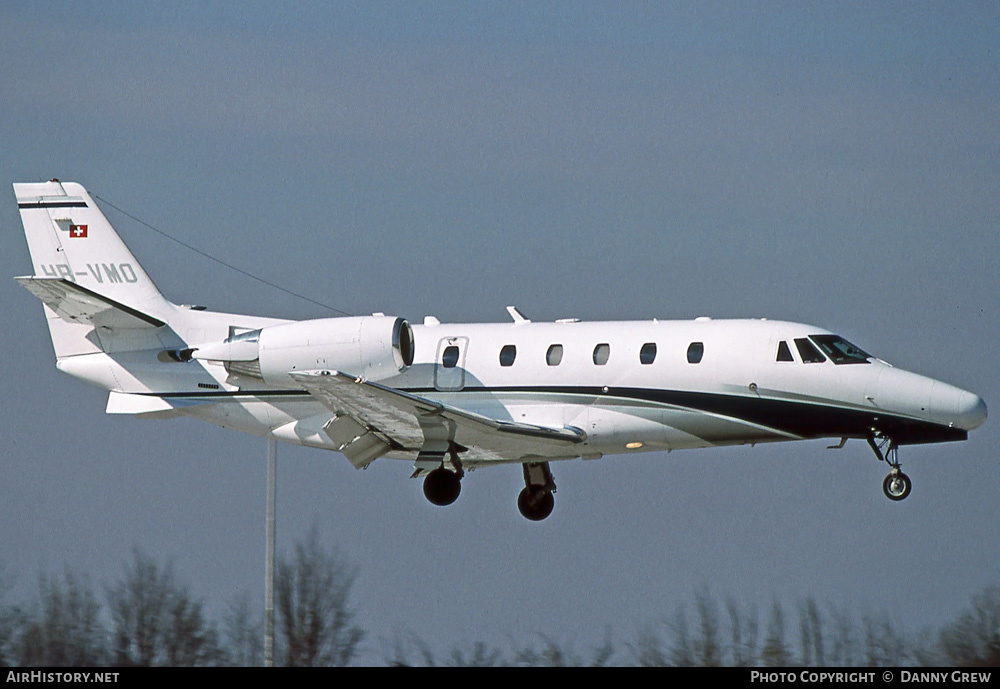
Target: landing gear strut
[(535, 500), (896, 485)]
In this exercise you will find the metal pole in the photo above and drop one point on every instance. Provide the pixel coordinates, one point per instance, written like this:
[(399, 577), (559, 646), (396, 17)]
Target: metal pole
[(272, 462)]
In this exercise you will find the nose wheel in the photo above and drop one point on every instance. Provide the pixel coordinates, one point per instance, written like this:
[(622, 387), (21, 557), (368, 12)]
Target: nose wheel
[(896, 485)]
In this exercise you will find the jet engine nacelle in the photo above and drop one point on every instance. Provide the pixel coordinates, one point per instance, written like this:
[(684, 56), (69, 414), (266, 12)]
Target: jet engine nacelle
[(376, 347)]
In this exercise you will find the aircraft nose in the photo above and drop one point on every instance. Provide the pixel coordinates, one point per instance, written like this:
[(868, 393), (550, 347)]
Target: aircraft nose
[(971, 411)]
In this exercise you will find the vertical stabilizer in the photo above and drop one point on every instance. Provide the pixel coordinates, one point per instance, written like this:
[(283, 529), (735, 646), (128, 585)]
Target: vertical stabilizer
[(70, 239)]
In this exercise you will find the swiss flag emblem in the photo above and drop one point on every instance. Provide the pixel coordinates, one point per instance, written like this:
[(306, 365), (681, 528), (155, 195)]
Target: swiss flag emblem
[(78, 231)]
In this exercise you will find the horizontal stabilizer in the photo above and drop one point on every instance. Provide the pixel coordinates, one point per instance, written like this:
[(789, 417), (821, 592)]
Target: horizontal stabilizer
[(77, 304), (138, 404)]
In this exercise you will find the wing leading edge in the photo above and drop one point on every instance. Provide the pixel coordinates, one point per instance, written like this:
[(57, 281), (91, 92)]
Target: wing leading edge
[(372, 420)]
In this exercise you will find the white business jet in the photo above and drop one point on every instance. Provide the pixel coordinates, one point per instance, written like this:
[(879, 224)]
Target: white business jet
[(455, 397)]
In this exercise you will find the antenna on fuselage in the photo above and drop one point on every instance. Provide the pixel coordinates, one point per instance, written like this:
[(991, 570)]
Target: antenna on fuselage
[(517, 315)]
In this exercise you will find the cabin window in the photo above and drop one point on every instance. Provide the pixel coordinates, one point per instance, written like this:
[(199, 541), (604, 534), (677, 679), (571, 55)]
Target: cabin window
[(784, 353), (449, 357), (553, 357), (809, 353), (840, 350), (648, 353), (507, 355), (602, 353), (696, 350)]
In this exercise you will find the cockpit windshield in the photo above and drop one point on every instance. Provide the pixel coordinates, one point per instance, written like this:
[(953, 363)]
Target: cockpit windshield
[(840, 351)]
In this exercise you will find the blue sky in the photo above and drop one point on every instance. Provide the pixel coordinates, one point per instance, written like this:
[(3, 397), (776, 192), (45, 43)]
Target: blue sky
[(595, 160)]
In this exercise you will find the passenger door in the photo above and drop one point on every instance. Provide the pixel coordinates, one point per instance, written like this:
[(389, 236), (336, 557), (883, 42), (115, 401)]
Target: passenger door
[(449, 364)]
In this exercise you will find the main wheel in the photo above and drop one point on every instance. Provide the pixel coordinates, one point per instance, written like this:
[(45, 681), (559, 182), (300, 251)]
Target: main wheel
[(896, 486), (442, 487), (535, 503)]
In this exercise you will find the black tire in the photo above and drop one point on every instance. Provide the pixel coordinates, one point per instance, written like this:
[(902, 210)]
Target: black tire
[(535, 503), (896, 487), (442, 487)]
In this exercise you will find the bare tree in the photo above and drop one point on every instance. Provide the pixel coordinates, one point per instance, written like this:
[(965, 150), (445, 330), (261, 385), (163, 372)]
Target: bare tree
[(603, 654), (479, 655), (10, 622), (682, 652), (775, 652), (65, 630), (883, 645), (550, 653), (155, 620), (744, 634), (648, 649), (315, 620), (244, 635), (974, 638), (398, 653), (190, 639), (925, 648), (811, 631), (707, 648), (843, 644), (556, 654)]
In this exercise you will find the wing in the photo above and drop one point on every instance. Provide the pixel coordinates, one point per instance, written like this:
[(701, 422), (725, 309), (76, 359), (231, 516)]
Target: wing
[(372, 420), (78, 304)]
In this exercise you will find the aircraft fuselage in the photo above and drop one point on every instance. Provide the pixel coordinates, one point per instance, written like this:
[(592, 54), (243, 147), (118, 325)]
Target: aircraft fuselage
[(453, 396)]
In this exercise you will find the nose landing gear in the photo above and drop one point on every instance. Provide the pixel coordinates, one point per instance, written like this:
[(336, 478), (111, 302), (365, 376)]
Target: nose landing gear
[(896, 485)]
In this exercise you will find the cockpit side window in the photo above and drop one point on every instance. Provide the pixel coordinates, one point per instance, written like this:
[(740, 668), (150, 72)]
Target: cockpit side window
[(840, 350), (784, 353), (808, 353)]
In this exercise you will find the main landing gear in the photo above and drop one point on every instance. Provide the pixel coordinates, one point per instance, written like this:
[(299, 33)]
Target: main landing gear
[(896, 485), (536, 500), (443, 485)]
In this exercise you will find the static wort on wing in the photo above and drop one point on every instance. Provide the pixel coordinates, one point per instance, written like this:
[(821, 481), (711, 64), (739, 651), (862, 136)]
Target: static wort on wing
[(449, 397)]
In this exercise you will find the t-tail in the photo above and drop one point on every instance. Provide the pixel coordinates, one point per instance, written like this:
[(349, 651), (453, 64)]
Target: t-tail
[(111, 327), (97, 297)]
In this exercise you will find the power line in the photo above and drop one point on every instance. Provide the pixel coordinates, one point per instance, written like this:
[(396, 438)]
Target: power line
[(220, 261)]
